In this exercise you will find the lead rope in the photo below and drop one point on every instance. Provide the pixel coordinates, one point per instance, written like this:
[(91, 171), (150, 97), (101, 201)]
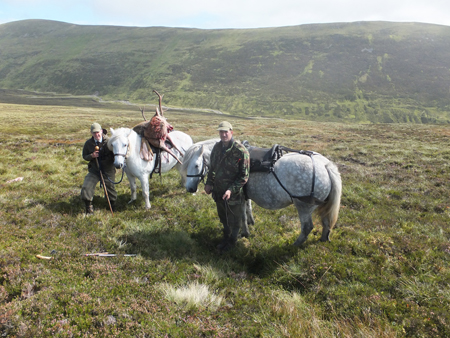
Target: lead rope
[(121, 178), (107, 177)]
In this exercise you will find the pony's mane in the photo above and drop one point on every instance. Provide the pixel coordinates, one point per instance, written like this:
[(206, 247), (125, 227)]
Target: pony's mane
[(118, 133), (192, 149)]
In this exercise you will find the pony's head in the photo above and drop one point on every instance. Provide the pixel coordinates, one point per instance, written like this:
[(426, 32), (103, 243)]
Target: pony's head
[(193, 169), (118, 144)]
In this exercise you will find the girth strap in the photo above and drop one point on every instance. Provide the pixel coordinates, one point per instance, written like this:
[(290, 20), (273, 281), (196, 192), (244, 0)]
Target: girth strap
[(158, 164), (311, 199)]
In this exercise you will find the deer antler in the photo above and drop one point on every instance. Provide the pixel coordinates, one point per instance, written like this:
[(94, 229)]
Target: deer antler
[(142, 111), (160, 112)]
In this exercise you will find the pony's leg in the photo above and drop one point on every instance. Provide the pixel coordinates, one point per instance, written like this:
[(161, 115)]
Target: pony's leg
[(247, 219), (249, 212), (326, 229), (244, 230), (145, 190), (304, 213), (132, 181)]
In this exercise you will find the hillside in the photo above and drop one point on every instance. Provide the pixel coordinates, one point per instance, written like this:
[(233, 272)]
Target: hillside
[(364, 71)]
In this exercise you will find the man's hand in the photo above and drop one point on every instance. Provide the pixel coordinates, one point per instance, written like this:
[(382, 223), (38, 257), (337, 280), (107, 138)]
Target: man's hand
[(208, 189), (95, 154), (227, 195)]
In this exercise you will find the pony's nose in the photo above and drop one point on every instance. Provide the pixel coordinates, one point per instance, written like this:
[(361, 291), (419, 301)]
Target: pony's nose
[(119, 165)]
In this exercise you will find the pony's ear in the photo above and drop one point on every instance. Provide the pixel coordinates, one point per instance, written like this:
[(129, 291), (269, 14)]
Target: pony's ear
[(202, 149), (112, 130)]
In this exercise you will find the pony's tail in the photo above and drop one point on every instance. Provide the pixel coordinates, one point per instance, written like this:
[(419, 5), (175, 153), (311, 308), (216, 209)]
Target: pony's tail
[(330, 209)]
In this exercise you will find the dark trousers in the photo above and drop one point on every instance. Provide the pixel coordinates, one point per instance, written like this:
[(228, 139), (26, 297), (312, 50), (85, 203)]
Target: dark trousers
[(231, 217), (91, 180)]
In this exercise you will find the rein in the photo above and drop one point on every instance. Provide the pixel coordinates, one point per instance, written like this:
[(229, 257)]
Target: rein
[(112, 180), (107, 177), (123, 168)]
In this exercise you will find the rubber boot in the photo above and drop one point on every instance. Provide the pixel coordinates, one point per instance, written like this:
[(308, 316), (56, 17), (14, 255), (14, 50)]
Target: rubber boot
[(89, 207), (225, 240)]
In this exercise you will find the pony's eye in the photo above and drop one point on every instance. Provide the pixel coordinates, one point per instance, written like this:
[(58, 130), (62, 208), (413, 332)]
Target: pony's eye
[(124, 144)]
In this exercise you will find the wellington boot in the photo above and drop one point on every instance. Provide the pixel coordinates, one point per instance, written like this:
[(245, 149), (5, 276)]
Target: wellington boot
[(89, 207), (223, 244), (227, 247)]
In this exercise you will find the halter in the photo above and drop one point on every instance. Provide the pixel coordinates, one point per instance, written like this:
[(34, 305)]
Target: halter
[(203, 172), (124, 165), (126, 152)]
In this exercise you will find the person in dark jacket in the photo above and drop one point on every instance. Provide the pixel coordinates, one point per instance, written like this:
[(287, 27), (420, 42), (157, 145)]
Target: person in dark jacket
[(228, 173), (106, 160)]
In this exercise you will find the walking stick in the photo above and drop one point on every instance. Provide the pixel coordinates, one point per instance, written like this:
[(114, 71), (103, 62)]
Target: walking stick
[(103, 182)]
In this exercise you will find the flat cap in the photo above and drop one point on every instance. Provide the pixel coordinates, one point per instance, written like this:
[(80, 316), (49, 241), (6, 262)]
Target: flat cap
[(225, 126), (95, 127)]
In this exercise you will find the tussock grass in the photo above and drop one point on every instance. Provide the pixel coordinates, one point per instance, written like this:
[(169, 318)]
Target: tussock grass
[(299, 318), (193, 296), (384, 274)]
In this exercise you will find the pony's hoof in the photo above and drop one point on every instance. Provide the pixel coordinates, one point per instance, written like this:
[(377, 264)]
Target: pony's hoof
[(325, 237), (245, 235), (299, 242), (131, 201)]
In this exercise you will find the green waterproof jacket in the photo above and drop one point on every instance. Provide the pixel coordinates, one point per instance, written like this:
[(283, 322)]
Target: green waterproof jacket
[(106, 156), (229, 170)]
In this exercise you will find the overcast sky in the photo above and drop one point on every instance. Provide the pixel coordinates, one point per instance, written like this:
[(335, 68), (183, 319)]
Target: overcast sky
[(209, 14)]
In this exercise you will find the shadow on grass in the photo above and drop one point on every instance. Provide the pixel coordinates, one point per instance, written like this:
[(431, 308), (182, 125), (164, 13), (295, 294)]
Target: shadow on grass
[(200, 248), (75, 205)]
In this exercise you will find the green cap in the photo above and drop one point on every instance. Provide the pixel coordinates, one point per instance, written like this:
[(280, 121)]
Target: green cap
[(95, 127), (225, 126)]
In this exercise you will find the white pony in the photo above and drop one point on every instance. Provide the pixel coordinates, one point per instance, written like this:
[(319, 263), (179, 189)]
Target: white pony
[(290, 182), (125, 144)]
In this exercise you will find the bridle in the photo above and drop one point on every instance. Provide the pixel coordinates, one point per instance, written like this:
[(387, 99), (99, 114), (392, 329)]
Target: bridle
[(203, 171), (126, 152), (123, 168)]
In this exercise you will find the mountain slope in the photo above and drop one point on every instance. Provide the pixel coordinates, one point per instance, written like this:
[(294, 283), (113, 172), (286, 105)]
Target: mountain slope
[(365, 71)]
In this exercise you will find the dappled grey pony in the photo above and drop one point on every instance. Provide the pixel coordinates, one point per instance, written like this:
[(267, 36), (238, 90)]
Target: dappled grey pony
[(125, 144), (291, 182)]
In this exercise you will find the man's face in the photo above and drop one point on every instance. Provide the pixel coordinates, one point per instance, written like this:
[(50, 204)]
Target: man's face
[(225, 136), (97, 135)]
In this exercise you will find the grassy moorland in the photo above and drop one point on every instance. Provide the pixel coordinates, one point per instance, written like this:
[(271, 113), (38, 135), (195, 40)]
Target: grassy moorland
[(384, 274)]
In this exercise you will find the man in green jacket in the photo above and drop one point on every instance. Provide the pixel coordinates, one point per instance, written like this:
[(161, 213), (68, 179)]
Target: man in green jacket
[(228, 173), (106, 160)]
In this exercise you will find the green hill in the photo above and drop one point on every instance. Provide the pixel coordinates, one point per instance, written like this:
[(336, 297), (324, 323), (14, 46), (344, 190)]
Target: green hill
[(363, 71)]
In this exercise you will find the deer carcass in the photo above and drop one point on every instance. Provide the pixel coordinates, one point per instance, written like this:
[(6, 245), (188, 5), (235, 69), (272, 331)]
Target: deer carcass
[(157, 130)]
